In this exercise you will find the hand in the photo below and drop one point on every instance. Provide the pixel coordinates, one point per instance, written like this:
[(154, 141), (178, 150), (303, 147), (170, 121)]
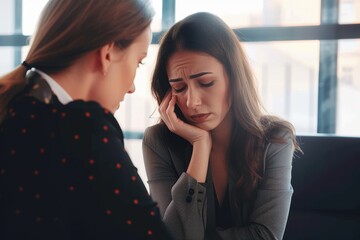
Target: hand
[(189, 132), (199, 138)]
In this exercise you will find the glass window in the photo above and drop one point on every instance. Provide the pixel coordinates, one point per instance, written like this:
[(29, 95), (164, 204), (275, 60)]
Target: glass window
[(32, 10), (157, 20), (31, 13), (349, 11), (348, 102), (6, 59), (7, 22), (250, 13), (287, 75)]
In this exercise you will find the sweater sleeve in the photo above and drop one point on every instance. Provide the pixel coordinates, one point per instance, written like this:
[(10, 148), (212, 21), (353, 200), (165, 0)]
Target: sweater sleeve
[(271, 207), (182, 200)]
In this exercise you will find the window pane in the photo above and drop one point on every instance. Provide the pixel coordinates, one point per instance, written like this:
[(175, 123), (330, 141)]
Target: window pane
[(33, 8), (348, 108), (249, 13), (287, 74), (349, 11), (6, 59), (31, 13), (156, 23), (7, 11)]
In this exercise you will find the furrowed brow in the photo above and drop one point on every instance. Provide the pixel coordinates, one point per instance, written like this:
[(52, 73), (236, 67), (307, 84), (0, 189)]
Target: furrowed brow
[(199, 75), (175, 80)]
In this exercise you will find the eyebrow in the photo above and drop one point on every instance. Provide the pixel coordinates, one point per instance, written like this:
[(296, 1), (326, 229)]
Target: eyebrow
[(191, 76)]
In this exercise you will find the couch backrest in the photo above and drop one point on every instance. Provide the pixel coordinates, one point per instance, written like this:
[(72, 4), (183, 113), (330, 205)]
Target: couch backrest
[(326, 182)]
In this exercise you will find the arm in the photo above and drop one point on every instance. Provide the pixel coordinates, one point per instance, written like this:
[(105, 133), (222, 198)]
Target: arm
[(271, 207), (182, 200)]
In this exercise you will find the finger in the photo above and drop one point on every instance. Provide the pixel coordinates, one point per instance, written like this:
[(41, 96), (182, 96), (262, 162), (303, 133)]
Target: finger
[(162, 109), (171, 115), (170, 111), (165, 102)]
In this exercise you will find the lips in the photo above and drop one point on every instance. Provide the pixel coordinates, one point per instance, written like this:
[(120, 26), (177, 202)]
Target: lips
[(198, 118)]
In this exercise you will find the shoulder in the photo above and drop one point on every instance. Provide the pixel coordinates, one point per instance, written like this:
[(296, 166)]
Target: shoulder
[(161, 140), (280, 149), (89, 112), (159, 133), (156, 133), (278, 130), (280, 142), (156, 136)]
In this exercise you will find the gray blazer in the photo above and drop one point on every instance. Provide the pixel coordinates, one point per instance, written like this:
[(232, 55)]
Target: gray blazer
[(187, 206)]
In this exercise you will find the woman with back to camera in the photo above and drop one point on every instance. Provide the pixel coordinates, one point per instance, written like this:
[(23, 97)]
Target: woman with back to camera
[(218, 167), (64, 172)]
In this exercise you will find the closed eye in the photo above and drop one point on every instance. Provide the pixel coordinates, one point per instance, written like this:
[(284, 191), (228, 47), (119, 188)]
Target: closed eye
[(178, 90), (207, 84)]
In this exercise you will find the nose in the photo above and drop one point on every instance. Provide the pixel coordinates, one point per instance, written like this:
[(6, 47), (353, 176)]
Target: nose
[(193, 99), (132, 89)]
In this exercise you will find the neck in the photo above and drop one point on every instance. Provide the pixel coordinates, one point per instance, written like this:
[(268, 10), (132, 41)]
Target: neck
[(76, 79), (221, 134)]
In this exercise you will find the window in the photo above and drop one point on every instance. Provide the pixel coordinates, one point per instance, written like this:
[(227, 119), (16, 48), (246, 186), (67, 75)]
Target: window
[(349, 11), (287, 77), (246, 13), (348, 102)]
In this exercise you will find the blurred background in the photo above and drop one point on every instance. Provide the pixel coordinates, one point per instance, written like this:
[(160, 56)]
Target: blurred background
[(305, 55)]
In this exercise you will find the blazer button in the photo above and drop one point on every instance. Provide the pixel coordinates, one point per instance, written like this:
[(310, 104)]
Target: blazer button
[(191, 191), (188, 199)]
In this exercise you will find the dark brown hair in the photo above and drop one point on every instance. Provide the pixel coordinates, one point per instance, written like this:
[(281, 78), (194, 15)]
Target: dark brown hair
[(206, 33), (68, 29)]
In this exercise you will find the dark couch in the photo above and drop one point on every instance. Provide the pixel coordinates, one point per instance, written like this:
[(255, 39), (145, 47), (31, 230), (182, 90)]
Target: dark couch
[(326, 181)]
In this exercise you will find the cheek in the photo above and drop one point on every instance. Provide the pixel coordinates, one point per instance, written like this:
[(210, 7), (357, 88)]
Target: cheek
[(221, 99), (127, 76), (226, 102), (181, 103)]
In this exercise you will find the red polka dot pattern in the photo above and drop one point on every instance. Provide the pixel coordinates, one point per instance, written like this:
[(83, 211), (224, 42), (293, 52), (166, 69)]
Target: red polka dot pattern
[(67, 159)]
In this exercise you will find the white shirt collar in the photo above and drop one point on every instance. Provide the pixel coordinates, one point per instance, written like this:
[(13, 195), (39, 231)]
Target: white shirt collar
[(60, 92)]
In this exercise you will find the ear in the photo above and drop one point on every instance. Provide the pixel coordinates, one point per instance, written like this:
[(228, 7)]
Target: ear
[(105, 57)]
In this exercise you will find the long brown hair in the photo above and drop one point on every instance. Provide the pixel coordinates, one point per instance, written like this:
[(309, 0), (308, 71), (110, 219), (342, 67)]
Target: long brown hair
[(207, 33), (68, 29)]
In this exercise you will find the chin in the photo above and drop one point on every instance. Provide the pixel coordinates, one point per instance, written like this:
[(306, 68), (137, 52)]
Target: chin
[(116, 108), (205, 126)]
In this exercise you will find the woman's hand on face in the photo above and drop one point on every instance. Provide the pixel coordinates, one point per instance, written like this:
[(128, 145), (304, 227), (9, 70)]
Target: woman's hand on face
[(189, 132)]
